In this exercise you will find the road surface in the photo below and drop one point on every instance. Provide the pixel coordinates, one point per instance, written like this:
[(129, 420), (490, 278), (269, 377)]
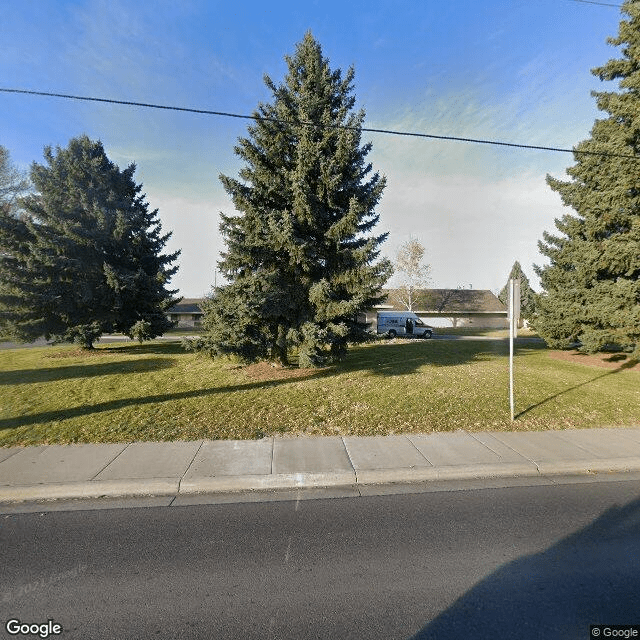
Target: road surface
[(520, 562)]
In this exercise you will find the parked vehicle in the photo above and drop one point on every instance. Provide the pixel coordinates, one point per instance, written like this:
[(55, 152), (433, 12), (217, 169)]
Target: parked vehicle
[(402, 323)]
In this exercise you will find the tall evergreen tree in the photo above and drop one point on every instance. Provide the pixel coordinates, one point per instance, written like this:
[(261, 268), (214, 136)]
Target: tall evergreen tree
[(527, 294), (592, 284), (85, 256), (300, 261), (13, 183)]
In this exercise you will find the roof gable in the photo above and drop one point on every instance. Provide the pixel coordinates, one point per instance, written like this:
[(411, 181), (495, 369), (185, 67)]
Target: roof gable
[(187, 305), (449, 301)]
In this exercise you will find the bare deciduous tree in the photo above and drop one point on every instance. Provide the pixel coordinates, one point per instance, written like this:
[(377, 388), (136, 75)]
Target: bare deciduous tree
[(414, 275), (446, 298)]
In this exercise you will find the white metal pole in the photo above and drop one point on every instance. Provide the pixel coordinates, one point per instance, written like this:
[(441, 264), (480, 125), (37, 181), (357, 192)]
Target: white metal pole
[(512, 288)]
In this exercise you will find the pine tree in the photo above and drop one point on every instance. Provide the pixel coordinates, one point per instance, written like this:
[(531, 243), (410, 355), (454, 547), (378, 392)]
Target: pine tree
[(592, 284), (13, 182), (527, 294), (300, 261), (85, 256)]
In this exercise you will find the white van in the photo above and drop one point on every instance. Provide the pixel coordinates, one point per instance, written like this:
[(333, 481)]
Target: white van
[(402, 323)]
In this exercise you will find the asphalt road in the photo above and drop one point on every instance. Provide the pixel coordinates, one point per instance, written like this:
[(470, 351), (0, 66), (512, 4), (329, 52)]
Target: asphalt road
[(522, 562)]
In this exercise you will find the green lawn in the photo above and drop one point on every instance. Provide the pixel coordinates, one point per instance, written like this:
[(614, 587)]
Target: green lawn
[(184, 331), (155, 391), (479, 331)]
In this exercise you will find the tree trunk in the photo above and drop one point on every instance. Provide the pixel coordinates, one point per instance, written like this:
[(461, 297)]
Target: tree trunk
[(279, 351)]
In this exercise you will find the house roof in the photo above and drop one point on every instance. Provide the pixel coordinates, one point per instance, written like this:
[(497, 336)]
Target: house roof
[(187, 305), (449, 301), (441, 301)]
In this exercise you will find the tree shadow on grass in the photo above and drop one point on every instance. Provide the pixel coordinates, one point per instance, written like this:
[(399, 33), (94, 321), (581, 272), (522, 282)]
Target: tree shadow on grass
[(403, 357), (51, 374), (113, 405), (589, 577), (167, 347), (624, 366), (388, 359)]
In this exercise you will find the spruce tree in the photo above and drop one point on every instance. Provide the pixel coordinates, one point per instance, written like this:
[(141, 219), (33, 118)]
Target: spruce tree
[(300, 261), (84, 257), (592, 283), (527, 294), (13, 183)]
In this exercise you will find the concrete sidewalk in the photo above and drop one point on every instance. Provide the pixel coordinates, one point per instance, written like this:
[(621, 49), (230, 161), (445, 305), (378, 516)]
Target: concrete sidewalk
[(213, 466)]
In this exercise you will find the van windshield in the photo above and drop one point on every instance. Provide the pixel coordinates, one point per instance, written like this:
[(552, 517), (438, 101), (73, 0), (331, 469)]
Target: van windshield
[(419, 322)]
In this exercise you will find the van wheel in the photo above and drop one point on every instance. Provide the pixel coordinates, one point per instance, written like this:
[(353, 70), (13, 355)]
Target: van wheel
[(426, 335), (392, 334)]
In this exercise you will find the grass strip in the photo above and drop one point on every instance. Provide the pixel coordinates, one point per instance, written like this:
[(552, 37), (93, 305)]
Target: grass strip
[(156, 391)]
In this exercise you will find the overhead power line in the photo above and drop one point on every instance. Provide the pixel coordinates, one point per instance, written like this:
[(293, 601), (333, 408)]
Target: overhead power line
[(313, 124), (602, 4)]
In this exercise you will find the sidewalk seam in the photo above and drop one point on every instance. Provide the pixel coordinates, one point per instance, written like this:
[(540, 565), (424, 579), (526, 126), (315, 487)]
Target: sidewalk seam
[(495, 435), (110, 461), (404, 435), (346, 450), (533, 462), (181, 478), (355, 471), (273, 448), (486, 446), (17, 450)]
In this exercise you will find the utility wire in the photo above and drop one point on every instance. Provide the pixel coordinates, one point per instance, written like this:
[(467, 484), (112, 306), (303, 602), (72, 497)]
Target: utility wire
[(602, 4), (314, 124)]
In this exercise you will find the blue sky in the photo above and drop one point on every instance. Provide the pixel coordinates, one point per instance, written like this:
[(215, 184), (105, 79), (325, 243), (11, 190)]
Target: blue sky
[(512, 70)]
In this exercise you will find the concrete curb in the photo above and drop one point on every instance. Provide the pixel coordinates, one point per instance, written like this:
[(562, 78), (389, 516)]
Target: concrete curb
[(218, 484), (173, 469), (91, 489), (388, 476), (233, 484), (601, 465), (499, 470)]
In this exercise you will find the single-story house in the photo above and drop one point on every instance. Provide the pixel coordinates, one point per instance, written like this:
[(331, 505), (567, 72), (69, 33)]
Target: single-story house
[(449, 307), (187, 313), (438, 307)]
